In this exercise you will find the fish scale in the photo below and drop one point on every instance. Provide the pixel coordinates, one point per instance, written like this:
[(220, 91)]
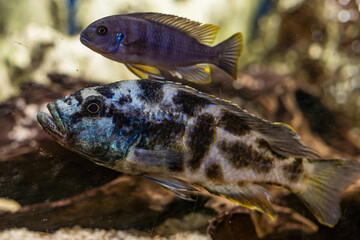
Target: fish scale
[(189, 142)]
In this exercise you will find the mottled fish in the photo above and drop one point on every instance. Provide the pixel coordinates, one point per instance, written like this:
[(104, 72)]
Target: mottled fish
[(154, 45), (188, 141)]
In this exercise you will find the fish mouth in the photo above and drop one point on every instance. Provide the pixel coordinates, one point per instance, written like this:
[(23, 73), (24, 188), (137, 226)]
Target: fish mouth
[(53, 124), (84, 40)]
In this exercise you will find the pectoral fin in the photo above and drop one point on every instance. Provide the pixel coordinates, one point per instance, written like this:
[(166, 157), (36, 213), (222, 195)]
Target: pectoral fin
[(178, 187), (159, 160), (164, 161), (247, 195)]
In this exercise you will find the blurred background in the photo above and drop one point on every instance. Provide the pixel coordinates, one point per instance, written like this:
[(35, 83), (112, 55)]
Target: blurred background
[(300, 65)]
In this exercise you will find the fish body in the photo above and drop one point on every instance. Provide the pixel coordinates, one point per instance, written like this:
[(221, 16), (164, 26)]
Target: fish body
[(153, 44), (188, 141)]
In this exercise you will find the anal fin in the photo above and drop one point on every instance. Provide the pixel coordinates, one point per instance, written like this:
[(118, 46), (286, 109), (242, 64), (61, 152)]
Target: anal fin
[(199, 73), (248, 195)]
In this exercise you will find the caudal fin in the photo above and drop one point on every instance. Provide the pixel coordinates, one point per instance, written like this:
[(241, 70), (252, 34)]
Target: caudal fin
[(229, 53), (323, 187)]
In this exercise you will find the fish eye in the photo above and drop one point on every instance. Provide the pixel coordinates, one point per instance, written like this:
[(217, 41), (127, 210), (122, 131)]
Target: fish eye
[(102, 30), (93, 106)]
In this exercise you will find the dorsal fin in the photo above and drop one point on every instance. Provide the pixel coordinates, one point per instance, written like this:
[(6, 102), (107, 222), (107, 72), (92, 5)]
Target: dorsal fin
[(204, 33)]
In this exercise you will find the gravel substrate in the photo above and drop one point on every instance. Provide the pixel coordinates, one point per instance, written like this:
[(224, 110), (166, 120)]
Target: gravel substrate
[(78, 233)]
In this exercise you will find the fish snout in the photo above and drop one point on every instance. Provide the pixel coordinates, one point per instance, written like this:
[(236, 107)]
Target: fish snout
[(84, 39), (52, 123)]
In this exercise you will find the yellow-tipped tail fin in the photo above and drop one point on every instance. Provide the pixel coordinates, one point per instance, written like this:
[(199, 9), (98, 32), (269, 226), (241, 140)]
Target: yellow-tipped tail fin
[(229, 54), (323, 187)]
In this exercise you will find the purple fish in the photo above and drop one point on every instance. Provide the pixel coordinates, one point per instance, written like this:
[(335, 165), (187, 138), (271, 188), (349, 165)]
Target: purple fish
[(154, 45)]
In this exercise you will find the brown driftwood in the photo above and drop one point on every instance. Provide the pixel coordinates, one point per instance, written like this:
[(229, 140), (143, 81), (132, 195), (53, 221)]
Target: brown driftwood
[(126, 202), (241, 223)]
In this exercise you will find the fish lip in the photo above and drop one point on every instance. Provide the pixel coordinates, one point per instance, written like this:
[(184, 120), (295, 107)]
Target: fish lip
[(53, 123), (84, 40)]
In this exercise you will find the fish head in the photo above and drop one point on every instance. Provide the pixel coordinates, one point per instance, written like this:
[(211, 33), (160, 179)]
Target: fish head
[(103, 36), (81, 122)]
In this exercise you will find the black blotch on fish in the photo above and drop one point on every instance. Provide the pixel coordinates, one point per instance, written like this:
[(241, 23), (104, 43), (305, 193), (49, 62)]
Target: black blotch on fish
[(68, 101), (189, 102), (265, 145), (294, 170), (110, 111), (243, 156), (234, 124), (166, 134), (76, 117), (215, 173), (151, 91), (78, 97), (120, 121), (201, 138), (124, 99), (105, 91)]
